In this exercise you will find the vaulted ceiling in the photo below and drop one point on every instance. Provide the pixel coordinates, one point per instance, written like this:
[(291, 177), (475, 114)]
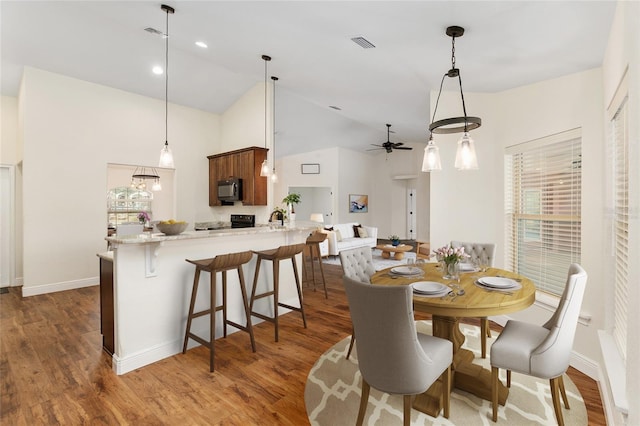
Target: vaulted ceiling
[(506, 44)]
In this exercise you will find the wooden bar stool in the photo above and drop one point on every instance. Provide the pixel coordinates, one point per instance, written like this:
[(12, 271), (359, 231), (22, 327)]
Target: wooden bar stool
[(276, 255), (221, 263), (313, 244)]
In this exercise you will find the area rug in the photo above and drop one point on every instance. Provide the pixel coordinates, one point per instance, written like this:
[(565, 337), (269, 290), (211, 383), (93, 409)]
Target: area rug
[(378, 261), (332, 395)]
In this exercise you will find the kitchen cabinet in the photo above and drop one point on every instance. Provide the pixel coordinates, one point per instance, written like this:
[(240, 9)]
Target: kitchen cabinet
[(244, 164)]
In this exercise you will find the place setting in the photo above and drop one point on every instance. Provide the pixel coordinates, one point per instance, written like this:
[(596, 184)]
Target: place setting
[(498, 284), (430, 289), (406, 272)]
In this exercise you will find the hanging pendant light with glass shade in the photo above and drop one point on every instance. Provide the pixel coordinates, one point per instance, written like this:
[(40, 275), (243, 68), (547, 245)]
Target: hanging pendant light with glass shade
[(466, 154), (274, 176), (166, 156), (264, 169)]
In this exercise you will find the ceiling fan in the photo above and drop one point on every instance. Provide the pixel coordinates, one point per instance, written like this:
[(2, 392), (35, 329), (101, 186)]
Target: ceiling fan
[(388, 145)]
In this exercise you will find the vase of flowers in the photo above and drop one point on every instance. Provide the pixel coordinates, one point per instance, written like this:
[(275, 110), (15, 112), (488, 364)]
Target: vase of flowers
[(143, 218), (395, 240), (450, 258)]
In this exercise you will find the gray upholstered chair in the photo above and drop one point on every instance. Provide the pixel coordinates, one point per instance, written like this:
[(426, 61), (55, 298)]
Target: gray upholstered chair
[(357, 264), (392, 356), (480, 253), (541, 351)]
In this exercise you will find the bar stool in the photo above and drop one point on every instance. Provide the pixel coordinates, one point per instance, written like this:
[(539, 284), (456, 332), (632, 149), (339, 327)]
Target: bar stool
[(276, 255), (221, 263), (313, 242)]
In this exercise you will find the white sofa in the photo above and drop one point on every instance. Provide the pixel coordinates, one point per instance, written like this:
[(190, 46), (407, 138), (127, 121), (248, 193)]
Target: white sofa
[(348, 239)]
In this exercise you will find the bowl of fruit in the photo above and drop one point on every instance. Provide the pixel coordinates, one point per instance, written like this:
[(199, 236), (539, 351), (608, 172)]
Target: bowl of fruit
[(172, 227)]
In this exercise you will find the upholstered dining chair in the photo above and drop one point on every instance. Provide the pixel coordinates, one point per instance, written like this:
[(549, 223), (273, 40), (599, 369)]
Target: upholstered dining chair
[(480, 253), (357, 264), (392, 356), (541, 351)]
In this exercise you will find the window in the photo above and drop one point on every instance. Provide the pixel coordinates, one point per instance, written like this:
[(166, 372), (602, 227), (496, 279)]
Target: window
[(542, 203), (619, 157)]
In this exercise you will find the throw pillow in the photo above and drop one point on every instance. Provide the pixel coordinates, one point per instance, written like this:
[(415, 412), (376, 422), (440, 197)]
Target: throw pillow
[(356, 227), (338, 235), (363, 233)]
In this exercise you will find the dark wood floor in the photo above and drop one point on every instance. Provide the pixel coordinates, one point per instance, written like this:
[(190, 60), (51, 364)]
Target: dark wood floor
[(53, 370)]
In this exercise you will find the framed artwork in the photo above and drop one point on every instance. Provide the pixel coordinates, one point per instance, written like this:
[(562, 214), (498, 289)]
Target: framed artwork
[(310, 169), (358, 203)]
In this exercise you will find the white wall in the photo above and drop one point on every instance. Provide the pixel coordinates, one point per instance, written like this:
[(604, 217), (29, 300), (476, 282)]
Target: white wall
[(72, 129), (469, 205)]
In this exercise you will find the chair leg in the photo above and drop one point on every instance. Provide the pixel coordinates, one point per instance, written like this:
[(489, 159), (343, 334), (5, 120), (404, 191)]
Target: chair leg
[(494, 393), (224, 303), (407, 410), (446, 391), (364, 400), (194, 293), (353, 340), (563, 393), (212, 322), (276, 291), (247, 310), (508, 378), (555, 397), (299, 289), (324, 283), (484, 327)]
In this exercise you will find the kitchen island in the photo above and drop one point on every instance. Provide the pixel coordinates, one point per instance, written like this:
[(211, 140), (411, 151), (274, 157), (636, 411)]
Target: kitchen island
[(151, 287)]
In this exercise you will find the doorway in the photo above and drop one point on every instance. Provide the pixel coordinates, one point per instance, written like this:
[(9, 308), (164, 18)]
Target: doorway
[(314, 199)]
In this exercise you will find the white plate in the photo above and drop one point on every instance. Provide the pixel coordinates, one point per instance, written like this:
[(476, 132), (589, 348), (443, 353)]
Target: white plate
[(429, 287), (498, 282), (406, 270)]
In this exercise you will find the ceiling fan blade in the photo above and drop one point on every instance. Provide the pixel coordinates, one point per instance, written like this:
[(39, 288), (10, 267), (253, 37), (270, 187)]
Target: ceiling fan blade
[(395, 144), (374, 149), (375, 144), (407, 148)]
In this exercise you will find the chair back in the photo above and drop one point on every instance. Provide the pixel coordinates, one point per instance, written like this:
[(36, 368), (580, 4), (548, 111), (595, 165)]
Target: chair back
[(551, 357), (390, 357), (478, 251), (357, 264)]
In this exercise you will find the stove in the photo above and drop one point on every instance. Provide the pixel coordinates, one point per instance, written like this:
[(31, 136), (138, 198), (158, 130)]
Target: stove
[(243, 220)]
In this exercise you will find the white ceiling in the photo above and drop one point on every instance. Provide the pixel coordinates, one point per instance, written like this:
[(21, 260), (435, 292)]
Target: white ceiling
[(506, 44)]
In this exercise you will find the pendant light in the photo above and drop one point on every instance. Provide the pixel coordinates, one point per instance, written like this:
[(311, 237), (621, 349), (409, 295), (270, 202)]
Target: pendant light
[(466, 153), (274, 176), (264, 169), (166, 156), (142, 174)]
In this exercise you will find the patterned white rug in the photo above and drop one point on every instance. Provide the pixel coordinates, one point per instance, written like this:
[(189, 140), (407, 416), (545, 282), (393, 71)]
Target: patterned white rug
[(332, 395), (378, 261)]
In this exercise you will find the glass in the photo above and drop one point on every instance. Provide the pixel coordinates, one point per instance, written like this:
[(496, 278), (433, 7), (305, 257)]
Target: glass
[(410, 261)]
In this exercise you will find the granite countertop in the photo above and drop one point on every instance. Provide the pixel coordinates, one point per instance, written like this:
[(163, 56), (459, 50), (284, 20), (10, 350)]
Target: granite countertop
[(148, 237)]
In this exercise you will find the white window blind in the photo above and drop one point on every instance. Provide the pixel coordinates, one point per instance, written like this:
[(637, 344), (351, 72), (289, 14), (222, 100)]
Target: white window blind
[(542, 203), (619, 144)]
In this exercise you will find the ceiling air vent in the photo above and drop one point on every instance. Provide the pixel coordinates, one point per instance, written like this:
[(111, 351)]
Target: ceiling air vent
[(363, 42)]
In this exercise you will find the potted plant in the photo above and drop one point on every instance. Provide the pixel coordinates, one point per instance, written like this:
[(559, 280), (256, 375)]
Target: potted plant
[(395, 240), (291, 200)]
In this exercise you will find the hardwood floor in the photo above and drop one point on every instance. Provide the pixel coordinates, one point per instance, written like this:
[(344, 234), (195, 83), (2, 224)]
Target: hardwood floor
[(53, 369)]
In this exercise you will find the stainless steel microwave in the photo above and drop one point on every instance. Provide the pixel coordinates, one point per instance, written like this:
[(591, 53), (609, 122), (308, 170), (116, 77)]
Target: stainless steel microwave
[(230, 189)]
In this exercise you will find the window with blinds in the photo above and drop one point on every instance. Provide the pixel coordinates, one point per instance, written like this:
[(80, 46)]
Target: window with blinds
[(619, 145), (543, 181)]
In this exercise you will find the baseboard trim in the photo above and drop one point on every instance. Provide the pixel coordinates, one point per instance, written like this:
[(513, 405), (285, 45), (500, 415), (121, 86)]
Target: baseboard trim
[(149, 356), (61, 286)]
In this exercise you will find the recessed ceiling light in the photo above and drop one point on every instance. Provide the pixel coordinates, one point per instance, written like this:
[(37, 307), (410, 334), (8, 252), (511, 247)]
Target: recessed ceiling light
[(201, 44), (157, 70)]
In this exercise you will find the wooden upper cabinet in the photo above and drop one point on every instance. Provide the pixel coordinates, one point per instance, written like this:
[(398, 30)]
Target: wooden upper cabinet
[(244, 164)]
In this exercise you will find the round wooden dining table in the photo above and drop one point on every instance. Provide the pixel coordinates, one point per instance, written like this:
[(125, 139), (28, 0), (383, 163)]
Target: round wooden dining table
[(446, 312)]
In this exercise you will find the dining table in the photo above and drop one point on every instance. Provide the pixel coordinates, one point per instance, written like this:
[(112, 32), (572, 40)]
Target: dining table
[(465, 297)]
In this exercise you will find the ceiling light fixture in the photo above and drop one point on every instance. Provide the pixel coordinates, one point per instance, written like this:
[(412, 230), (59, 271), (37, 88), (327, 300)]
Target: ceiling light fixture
[(274, 176), (264, 169), (466, 154), (157, 70), (141, 174), (201, 44), (166, 156)]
